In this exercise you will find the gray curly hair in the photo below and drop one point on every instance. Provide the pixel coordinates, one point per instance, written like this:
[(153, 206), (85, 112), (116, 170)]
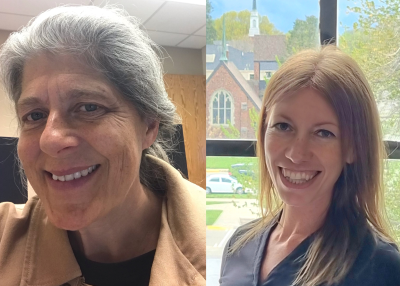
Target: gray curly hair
[(111, 42)]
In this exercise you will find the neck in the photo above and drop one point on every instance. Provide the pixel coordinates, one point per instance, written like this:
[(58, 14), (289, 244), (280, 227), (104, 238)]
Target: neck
[(129, 230), (297, 223)]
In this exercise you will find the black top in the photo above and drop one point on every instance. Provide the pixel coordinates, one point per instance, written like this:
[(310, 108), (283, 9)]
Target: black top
[(378, 263), (135, 271)]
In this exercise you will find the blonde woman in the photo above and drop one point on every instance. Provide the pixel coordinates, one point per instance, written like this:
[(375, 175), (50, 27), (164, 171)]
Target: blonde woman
[(321, 159)]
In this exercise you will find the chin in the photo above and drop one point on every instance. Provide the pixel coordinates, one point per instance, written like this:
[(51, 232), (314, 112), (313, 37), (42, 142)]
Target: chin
[(71, 220)]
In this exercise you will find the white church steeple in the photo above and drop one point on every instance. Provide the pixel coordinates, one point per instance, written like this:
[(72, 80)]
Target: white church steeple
[(254, 21)]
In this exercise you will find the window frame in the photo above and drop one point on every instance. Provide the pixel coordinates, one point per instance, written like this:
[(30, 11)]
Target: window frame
[(211, 108)]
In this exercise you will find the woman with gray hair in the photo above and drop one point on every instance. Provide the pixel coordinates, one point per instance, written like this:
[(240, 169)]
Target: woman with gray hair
[(94, 123)]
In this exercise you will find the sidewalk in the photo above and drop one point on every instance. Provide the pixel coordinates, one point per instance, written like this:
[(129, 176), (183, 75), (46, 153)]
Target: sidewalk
[(233, 216)]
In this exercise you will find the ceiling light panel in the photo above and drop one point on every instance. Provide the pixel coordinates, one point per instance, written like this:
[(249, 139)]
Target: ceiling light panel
[(178, 17), (138, 8)]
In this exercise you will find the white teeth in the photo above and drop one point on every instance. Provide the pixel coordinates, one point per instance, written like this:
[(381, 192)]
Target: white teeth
[(297, 177), (69, 177), (76, 175)]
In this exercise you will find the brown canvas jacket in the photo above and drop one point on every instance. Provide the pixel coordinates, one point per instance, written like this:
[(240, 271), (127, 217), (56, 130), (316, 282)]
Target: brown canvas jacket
[(33, 252)]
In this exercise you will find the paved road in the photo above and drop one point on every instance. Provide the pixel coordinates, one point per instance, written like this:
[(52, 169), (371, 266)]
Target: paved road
[(218, 234)]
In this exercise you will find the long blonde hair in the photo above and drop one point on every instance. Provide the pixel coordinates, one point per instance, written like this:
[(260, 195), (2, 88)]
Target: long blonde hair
[(357, 204)]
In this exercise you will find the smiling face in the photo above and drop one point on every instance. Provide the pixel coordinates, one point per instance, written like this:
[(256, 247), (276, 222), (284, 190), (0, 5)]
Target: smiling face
[(303, 148), (76, 128)]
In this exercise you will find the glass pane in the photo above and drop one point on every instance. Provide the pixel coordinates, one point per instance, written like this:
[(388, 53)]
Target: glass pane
[(227, 210), (228, 102), (283, 31), (228, 115), (225, 180), (221, 116), (215, 103), (221, 100), (215, 116), (256, 48), (373, 41)]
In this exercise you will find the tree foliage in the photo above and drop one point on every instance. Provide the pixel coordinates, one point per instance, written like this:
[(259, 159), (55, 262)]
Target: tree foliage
[(237, 25), (374, 42), (211, 33), (304, 35)]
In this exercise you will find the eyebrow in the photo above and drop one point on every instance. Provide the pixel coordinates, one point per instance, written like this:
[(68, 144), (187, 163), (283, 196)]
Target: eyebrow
[(318, 124), (71, 95)]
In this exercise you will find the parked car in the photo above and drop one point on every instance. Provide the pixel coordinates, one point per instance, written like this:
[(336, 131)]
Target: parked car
[(221, 183), (244, 169)]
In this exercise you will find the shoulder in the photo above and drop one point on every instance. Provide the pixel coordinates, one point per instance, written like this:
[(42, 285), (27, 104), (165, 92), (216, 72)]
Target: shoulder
[(243, 230), (16, 212), (15, 219), (386, 256), (237, 267), (377, 262), (240, 232)]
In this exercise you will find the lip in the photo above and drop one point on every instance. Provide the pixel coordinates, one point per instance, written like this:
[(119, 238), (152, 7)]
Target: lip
[(290, 185), (70, 171), (75, 184)]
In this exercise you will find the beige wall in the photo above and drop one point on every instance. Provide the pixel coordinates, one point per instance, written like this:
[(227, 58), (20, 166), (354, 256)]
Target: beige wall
[(183, 61)]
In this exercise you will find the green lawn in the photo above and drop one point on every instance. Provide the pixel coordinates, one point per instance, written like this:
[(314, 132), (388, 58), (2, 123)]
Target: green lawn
[(217, 203), (212, 216), (230, 196), (217, 162)]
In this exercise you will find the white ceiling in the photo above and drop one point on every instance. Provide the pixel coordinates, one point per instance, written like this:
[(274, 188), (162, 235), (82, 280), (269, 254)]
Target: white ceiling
[(175, 23)]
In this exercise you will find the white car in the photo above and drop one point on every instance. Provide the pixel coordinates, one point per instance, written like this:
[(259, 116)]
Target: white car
[(223, 184)]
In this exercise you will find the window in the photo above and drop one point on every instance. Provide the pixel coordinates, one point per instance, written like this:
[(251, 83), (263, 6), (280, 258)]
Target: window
[(222, 108), (238, 205), (224, 180), (215, 179)]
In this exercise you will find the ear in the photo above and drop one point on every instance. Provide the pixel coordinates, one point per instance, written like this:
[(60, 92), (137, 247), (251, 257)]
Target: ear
[(151, 134)]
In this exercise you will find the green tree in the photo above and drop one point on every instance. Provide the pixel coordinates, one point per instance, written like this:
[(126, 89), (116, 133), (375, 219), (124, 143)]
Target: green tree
[(374, 42), (304, 35), (231, 132), (211, 33), (237, 25)]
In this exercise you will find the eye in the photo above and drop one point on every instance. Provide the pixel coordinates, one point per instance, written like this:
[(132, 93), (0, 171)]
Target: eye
[(35, 116), (89, 107), (325, 133), (282, 126)]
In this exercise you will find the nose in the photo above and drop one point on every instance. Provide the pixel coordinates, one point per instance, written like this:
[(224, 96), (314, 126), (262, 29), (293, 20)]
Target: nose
[(57, 138), (299, 150)]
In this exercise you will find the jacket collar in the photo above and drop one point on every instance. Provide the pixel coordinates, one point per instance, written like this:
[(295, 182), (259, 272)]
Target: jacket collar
[(181, 248)]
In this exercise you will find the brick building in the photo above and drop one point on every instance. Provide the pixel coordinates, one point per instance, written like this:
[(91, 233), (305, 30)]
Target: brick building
[(229, 98), (237, 75)]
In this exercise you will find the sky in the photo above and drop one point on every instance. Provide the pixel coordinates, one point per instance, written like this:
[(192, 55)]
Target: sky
[(283, 13)]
